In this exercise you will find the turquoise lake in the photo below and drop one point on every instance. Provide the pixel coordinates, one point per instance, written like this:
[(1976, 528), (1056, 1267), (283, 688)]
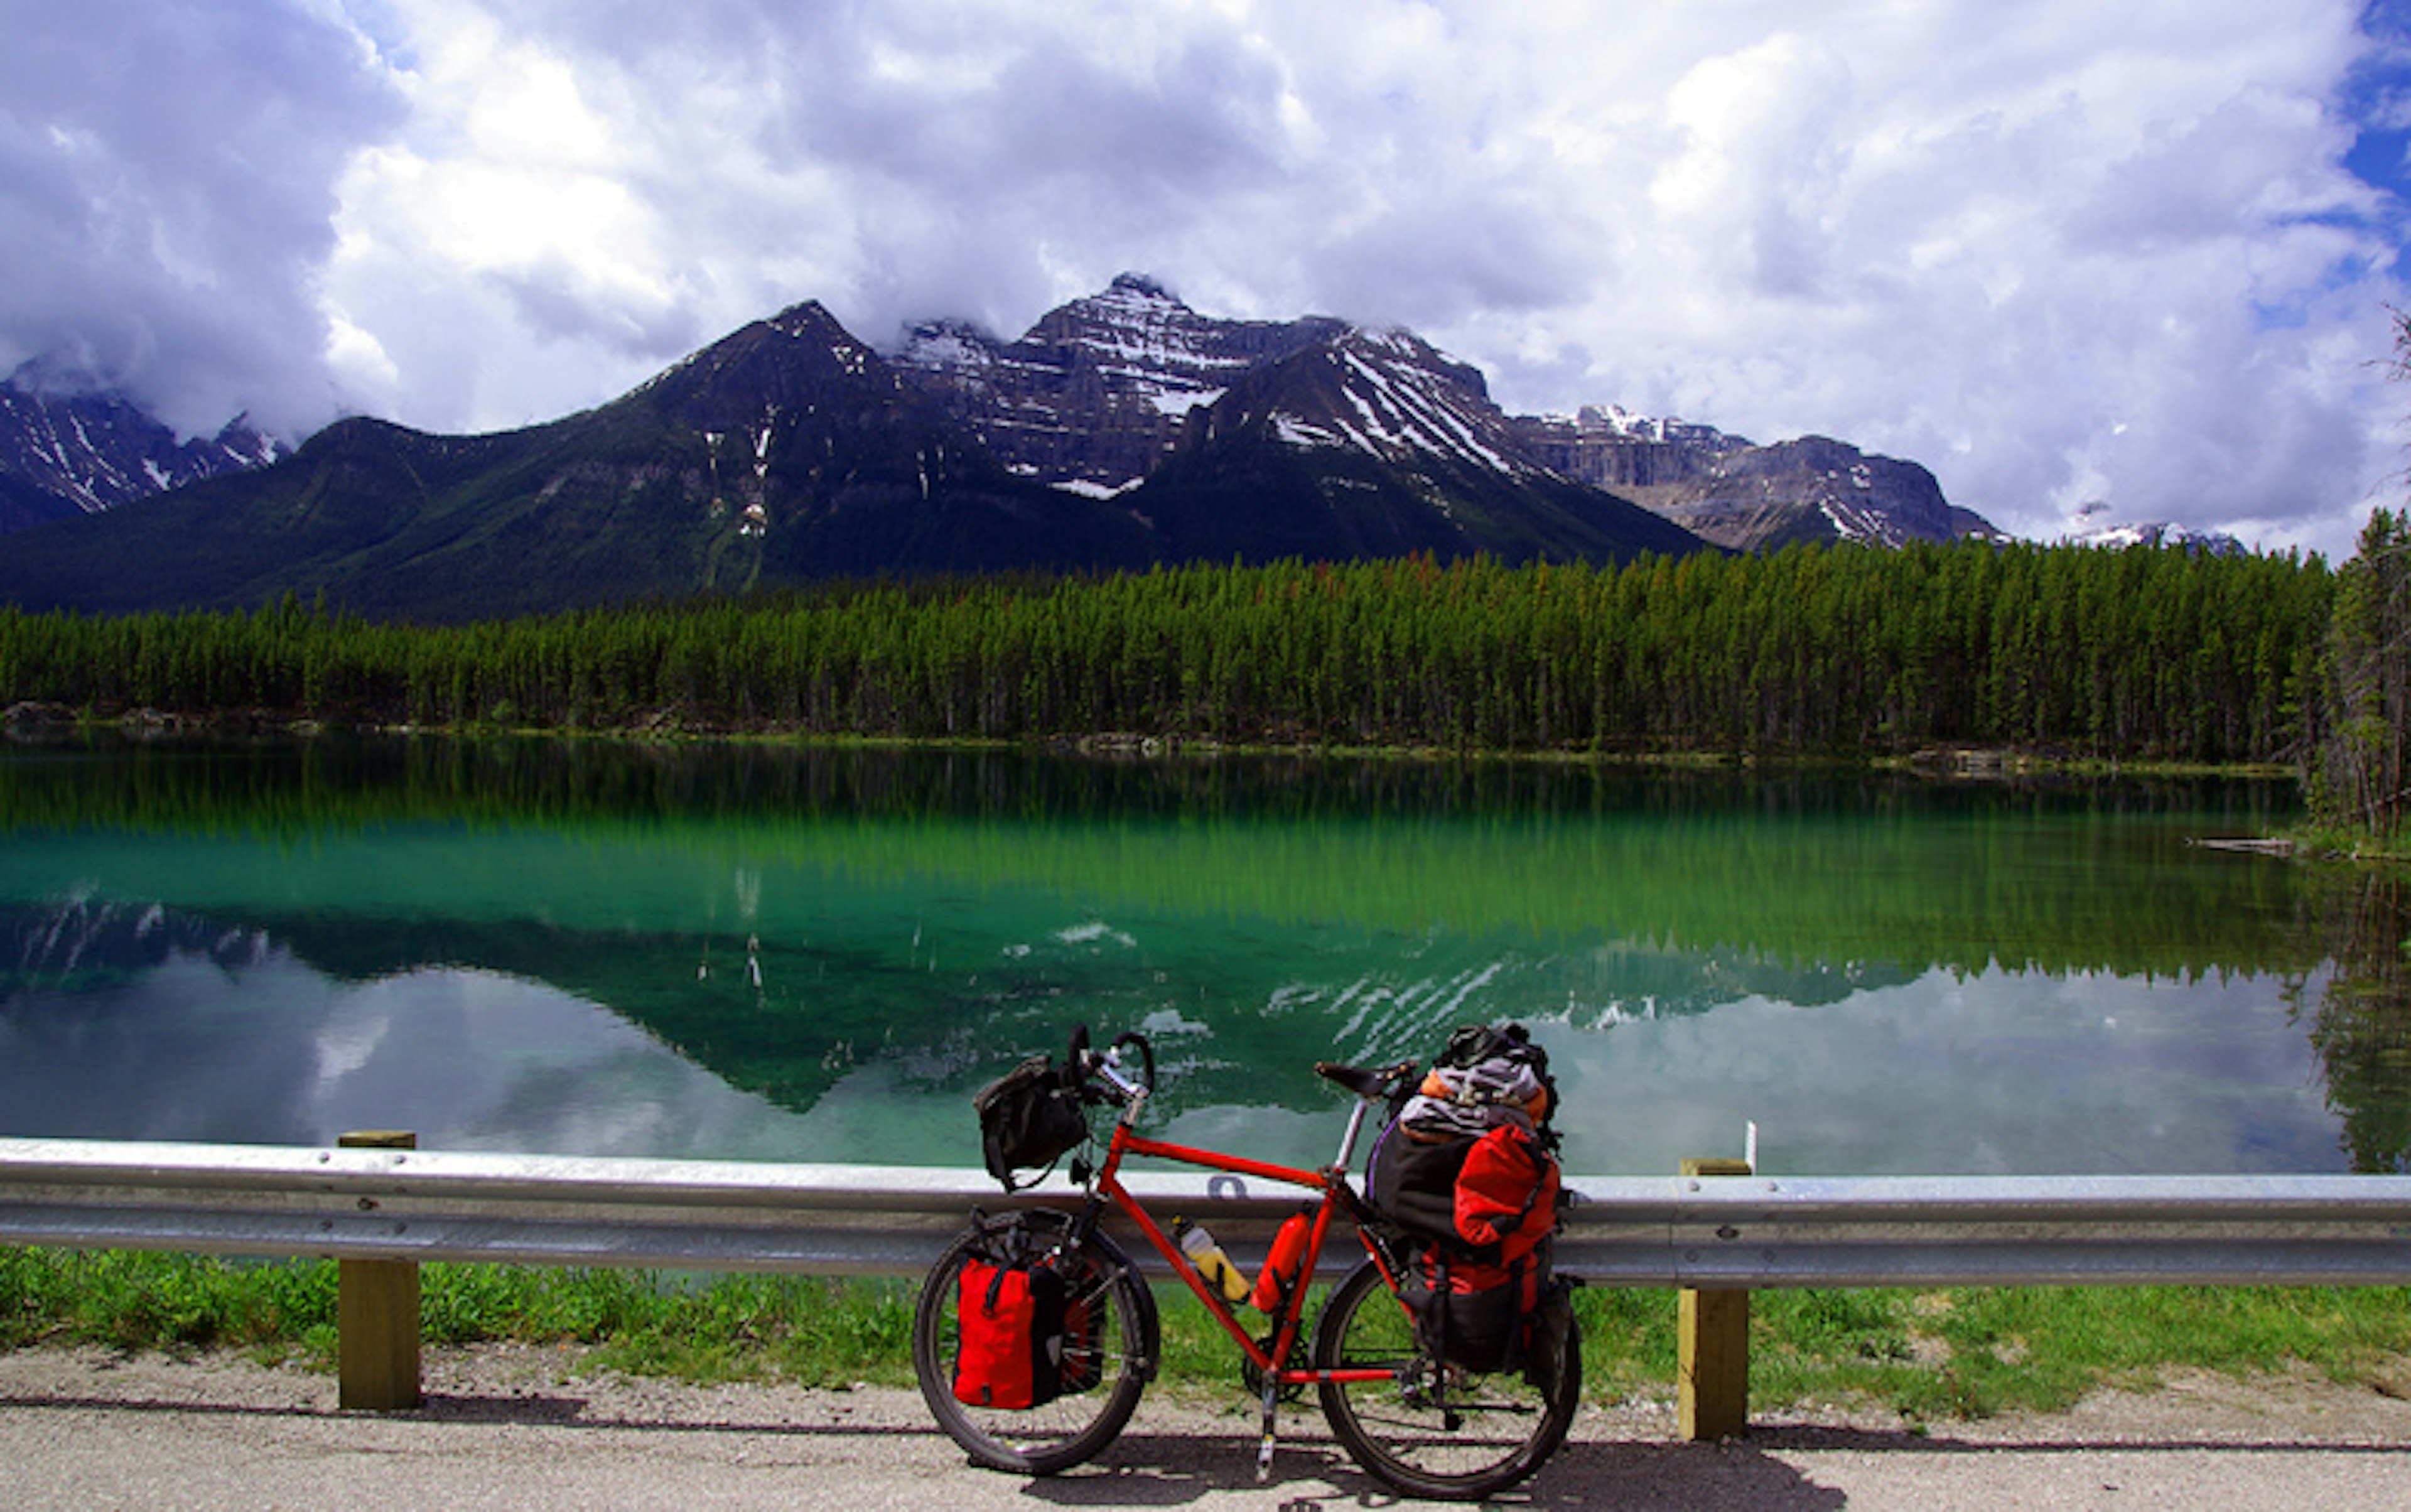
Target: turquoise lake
[(806, 954)]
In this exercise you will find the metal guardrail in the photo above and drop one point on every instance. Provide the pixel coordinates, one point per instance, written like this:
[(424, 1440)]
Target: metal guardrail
[(1730, 1232)]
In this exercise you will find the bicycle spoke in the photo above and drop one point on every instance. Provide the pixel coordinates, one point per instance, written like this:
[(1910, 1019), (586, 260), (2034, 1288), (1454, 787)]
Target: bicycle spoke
[(1104, 1369), (1471, 1436)]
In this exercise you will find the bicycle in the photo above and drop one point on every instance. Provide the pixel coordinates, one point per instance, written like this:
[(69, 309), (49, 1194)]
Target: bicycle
[(1421, 1424)]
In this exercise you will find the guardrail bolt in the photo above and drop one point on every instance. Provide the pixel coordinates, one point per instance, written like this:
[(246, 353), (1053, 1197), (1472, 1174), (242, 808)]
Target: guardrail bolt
[(376, 1313)]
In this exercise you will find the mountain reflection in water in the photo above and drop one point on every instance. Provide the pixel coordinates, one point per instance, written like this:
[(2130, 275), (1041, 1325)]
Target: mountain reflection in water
[(814, 954)]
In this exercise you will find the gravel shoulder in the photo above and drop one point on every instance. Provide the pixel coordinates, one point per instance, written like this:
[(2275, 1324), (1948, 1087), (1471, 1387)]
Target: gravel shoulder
[(526, 1428)]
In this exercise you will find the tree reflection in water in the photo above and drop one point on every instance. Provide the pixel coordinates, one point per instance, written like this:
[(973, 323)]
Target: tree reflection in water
[(2362, 1025)]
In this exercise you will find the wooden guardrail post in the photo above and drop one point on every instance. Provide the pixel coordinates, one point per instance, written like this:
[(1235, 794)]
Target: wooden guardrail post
[(1712, 1362), (376, 1313)]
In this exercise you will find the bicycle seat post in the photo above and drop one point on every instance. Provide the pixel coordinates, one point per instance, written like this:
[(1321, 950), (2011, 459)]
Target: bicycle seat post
[(1348, 1138), (1370, 1086)]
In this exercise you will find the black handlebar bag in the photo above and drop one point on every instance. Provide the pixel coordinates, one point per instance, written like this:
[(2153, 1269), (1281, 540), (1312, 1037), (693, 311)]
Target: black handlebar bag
[(1029, 1117)]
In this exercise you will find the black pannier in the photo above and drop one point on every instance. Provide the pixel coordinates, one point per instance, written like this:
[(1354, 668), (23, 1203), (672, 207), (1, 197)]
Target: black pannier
[(1029, 1117), (1413, 1179), (1466, 1165), (1484, 1317)]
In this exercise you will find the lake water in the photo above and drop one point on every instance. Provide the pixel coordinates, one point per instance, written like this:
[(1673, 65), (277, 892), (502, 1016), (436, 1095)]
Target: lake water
[(755, 952)]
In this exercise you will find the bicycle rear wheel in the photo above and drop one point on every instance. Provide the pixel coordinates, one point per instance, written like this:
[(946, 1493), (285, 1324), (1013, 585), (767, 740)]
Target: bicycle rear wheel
[(1457, 1437), (1113, 1354)]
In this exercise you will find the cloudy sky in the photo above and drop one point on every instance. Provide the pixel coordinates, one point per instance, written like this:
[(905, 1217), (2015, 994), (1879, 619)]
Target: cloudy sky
[(2059, 252)]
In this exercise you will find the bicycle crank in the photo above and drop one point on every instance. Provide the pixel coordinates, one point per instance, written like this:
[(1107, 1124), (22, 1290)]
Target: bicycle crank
[(1255, 1380)]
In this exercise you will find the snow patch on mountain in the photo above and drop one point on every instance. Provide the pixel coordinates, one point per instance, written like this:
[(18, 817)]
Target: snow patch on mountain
[(1399, 397), (91, 448), (2158, 533), (1086, 490), (1179, 401), (1094, 394)]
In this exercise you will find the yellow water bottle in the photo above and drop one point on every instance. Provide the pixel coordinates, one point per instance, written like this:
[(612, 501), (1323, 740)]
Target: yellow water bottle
[(1210, 1261)]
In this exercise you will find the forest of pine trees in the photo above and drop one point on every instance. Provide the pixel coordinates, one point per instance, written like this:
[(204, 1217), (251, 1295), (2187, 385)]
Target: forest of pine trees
[(2358, 780), (2140, 653)]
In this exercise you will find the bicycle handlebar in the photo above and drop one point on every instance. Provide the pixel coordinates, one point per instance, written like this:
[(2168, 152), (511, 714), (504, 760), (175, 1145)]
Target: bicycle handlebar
[(1086, 1066), (1146, 1055)]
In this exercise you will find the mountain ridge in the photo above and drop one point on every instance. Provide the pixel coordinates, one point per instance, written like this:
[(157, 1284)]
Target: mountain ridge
[(668, 489), (1376, 444), (1122, 429), (1118, 370), (70, 446)]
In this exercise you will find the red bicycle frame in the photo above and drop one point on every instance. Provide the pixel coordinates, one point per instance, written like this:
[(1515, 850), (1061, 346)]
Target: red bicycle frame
[(1328, 1181)]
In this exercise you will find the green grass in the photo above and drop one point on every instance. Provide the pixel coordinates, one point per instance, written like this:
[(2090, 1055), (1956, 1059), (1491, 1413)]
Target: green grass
[(1973, 1353), (1931, 1354), (797, 1329)]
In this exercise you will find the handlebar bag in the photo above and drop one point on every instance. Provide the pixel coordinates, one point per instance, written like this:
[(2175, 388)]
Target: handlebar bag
[(1029, 1117)]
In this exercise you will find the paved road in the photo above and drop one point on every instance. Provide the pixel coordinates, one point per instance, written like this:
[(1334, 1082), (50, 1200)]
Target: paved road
[(82, 1431)]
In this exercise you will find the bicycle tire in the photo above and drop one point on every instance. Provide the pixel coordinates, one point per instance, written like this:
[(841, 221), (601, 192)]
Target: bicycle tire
[(1489, 1432), (1075, 1426)]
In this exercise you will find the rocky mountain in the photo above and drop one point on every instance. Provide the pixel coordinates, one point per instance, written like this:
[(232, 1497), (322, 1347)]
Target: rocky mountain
[(69, 449), (1254, 440), (1374, 443), (1747, 497), (1611, 448), (786, 453), (1814, 489), (790, 451), (1333, 441), (1097, 397), (1094, 395), (1121, 430)]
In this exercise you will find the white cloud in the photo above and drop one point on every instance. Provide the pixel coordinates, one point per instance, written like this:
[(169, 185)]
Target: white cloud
[(166, 174), (2054, 250)]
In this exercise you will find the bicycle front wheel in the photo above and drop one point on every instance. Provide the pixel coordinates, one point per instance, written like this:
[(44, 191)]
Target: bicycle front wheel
[(1107, 1360), (1453, 1435)]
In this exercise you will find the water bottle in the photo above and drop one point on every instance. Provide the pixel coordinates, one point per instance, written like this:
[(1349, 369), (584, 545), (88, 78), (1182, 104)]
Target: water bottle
[(1210, 1261), (1282, 1267)]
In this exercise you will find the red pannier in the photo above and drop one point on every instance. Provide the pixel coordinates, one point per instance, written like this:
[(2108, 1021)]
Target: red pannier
[(1505, 1180), (1011, 1352)]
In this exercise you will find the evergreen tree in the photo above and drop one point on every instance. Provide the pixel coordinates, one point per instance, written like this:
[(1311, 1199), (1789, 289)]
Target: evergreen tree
[(2359, 777)]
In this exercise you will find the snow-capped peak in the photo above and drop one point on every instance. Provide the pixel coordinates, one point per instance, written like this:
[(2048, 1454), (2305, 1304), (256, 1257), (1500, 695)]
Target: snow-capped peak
[(2161, 532), (1397, 396), (1094, 394), (91, 448)]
